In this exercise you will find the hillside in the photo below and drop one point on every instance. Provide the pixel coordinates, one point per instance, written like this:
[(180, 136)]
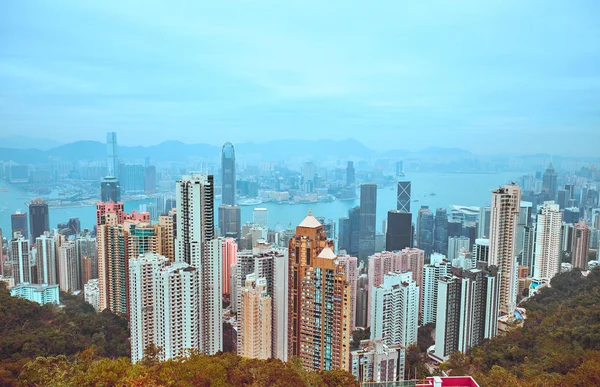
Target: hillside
[(558, 345), (28, 330)]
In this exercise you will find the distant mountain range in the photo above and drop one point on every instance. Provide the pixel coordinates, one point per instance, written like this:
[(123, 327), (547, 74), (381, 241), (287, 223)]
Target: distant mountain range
[(293, 151)]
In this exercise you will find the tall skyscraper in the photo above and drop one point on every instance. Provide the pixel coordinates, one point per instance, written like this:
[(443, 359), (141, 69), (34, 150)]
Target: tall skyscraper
[(260, 216), (467, 310), (431, 276), (525, 212), (547, 243), (110, 189), (440, 238), (46, 260), (362, 301), (228, 174), (485, 214), (350, 173), (229, 250), (368, 214), (230, 221), (581, 245), (395, 310), (39, 220), (349, 232), (319, 301), (165, 236), (403, 196), (549, 183), (503, 229), (112, 155), (425, 226), (18, 222), (399, 230), (255, 319), (69, 271), (87, 255), (211, 304), (19, 254), (350, 265)]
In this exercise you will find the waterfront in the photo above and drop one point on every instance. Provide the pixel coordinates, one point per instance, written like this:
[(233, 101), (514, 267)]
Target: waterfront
[(449, 188)]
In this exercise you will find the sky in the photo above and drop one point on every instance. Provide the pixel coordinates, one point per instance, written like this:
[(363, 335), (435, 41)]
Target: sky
[(494, 76)]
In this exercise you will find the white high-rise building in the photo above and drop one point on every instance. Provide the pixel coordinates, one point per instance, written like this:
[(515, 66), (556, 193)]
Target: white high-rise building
[(547, 242), (431, 276), (211, 304), (395, 310), (280, 306), (350, 265), (144, 280), (69, 278), (46, 259), (19, 254), (260, 216), (503, 232), (377, 362), (91, 293)]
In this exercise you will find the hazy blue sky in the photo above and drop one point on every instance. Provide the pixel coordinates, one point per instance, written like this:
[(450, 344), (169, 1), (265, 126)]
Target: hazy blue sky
[(488, 76)]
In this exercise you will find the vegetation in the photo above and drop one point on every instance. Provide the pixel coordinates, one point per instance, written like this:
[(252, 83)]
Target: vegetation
[(29, 330), (223, 369), (558, 345)]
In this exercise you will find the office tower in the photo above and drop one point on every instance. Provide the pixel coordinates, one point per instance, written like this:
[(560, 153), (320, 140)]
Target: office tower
[(440, 236), (362, 301), (547, 242), (18, 222), (549, 183), (319, 301), (572, 215), (350, 265), (425, 225), (131, 177), (19, 255), (328, 226), (228, 174), (110, 189), (39, 220), (195, 217), (481, 250), (485, 214), (112, 155), (431, 276), (377, 362), (46, 260), (149, 178), (395, 310), (69, 271), (165, 236), (503, 229), (255, 319), (454, 228), (308, 177), (525, 212), (230, 221), (399, 230), (457, 244), (349, 232), (91, 293), (229, 250), (581, 245), (144, 288), (470, 231), (403, 196), (570, 188), (350, 174), (561, 198), (467, 310), (368, 211), (260, 216)]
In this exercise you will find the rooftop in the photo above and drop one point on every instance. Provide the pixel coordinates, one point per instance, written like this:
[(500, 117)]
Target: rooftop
[(310, 222), (327, 253)]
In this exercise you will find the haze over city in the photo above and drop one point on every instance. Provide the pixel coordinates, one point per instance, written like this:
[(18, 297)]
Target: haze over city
[(467, 74)]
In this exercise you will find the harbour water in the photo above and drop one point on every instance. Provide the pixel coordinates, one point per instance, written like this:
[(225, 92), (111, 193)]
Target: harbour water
[(449, 188)]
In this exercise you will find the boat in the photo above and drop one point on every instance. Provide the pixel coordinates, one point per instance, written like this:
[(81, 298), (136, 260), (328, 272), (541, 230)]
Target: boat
[(416, 200), (432, 194)]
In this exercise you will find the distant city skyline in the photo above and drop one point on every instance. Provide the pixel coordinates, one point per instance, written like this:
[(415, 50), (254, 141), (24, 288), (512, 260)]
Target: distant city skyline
[(489, 77)]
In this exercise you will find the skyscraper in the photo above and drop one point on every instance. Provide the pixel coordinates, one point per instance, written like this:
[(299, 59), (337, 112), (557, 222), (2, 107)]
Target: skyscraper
[(260, 216), (230, 221), (547, 243), (350, 173), (368, 211), (87, 255), (19, 254), (431, 276), (457, 244), (403, 196), (112, 155), (503, 228), (440, 238), (319, 301), (69, 277), (350, 265), (229, 250), (581, 245), (255, 319), (425, 226), (395, 310), (165, 236), (228, 174), (399, 230), (549, 183), (39, 220), (484, 222), (46, 260), (18, 222), (110, 189)]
